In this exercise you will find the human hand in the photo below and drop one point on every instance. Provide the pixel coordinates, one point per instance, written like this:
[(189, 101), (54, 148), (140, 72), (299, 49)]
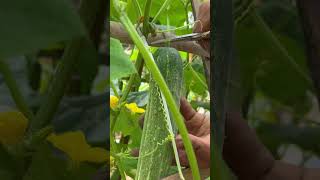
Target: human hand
[(203, 24), (198, 126)]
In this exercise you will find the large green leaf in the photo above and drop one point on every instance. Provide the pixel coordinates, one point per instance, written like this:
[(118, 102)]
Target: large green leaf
[(126, 122), (113, 13), (8, 170), (176, 13), (56, 167), (282, 16), (120, 64), (27, 26), (194, 78), (280, 76), (129, 164)]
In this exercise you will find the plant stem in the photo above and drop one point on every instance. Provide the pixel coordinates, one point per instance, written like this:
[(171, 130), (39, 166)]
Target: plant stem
[(187, 20), (139, 66), (139, 62), (146, 15), (114, 150), (153, 69), (58, 86), (132, 79), (222, 48), (114, 89), (15, 91)]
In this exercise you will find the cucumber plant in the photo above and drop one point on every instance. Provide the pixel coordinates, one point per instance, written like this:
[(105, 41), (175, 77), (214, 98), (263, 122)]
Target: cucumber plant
[(162, 73)]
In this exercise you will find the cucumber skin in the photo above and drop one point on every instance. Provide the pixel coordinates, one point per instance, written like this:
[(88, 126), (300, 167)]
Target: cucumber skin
[(155, 165)]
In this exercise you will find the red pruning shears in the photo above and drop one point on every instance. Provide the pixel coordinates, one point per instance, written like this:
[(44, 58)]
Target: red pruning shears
[(187, 37)]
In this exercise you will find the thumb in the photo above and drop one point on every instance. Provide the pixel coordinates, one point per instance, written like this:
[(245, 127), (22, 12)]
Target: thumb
[(186, 109), (193, 119)]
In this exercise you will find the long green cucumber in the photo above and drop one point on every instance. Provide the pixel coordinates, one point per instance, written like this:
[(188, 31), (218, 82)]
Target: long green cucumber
[(156, 153)]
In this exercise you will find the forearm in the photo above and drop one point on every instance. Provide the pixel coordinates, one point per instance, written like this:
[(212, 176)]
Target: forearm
[(249, 159), (285, 171)]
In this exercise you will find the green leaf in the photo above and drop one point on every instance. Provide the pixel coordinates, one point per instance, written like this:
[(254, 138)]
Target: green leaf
[(5, 175), (112, 10), (133, 11), (265, 67), (283, 17), (8, 171), (194, 79), (83, 172), (176, 14), (120, 64), (28, 26), (125, 122), (128, 124), (129, 164), (135, 138), (54, 169)]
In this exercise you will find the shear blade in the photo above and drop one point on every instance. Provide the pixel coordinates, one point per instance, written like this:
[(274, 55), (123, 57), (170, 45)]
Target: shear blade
[(187, 37)]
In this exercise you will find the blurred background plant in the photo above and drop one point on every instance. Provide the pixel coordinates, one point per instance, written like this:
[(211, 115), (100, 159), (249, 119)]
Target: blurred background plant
[(279, 89), (54, 90)]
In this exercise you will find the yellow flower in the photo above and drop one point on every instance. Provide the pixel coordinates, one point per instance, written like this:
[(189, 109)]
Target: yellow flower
[(113, 102), (13, 125), (112, 161), (76, 147), (134, 108)]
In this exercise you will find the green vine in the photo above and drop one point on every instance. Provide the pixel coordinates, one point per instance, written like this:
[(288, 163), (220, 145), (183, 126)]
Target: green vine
[(14, 90)]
